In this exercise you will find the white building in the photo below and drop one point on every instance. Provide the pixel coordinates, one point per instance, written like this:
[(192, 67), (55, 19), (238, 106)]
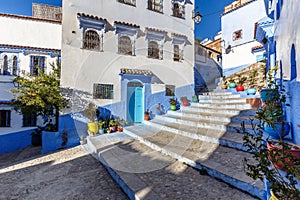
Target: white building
[(240, 49), (25, 42), (127, 55)]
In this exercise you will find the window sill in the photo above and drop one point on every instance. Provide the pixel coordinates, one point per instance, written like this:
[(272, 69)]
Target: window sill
[(129, 4), (92, 50), (180, 17), (157, 11)]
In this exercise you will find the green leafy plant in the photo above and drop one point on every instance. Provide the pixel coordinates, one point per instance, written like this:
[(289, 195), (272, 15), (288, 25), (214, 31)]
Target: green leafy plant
[(40, 94), (91, 112), (172, 101)]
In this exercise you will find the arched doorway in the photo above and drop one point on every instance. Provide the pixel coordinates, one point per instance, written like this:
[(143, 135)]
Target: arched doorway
[(135, 101)]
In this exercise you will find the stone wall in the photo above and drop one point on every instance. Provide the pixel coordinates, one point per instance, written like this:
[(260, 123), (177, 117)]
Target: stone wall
[(43, 11)]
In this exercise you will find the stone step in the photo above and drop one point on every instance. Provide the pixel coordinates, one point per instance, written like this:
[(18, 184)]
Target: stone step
[(221, 137), (216, 117), (208, 124), (144, 173), (241, 106), (216, 110), (223, 101), (220, 93), (219, 162), (208, 97)]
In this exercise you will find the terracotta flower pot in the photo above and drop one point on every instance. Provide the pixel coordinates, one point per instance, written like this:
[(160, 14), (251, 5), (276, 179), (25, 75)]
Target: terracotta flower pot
[(146, 117), (294, 151), (185, 103)]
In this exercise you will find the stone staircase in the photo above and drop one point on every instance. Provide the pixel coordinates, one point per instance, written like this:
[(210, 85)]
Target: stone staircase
[(205, 136)]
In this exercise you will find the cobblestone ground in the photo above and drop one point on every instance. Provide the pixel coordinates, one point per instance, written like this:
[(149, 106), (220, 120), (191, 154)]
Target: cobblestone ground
[(67, 174)]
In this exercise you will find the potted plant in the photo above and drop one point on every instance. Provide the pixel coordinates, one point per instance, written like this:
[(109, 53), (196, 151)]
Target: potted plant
[(173, 103), (269, 162), (158, 110), (232, 83), (194, 99), (92, 113), (240, 83), (270, 93), (184, 101), (273, 155), (112, 125), (101, 126), (146, 116), (224, 83), (251, 89)]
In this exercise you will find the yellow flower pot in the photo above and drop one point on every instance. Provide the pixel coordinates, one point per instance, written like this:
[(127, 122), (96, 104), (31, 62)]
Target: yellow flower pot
[(93, 127)]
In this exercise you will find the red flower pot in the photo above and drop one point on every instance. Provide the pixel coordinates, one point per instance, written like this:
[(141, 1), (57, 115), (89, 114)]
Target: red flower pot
[(185, 103), (240, 88), (146, 117)]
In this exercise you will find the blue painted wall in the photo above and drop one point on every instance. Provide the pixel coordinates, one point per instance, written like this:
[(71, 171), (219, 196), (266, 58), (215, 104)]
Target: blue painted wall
[(15, 141)]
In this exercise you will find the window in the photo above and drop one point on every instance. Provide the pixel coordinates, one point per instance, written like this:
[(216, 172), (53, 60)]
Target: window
[(5, 118), (153, 50), (125, 45), (15, 65), (129, 2), (91, 40), (155, 5), (37, 63), (237, 35), (5, 65), (29, 119), (170, 90), (178, 10), (176, 53), (103, 91)]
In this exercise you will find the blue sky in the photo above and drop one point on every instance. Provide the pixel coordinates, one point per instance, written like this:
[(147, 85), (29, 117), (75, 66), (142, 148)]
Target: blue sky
[(210, 9)]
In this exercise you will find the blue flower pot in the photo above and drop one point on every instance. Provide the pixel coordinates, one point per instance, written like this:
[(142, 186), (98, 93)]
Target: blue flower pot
[(268, 94), (251, 91), (275, 133), (231, 85)]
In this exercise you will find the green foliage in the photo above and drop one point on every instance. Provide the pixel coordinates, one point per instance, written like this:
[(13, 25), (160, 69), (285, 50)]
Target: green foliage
[(264, 158), (40, 94), (261, 166), (241, 80), (91, 112), (172, 101)]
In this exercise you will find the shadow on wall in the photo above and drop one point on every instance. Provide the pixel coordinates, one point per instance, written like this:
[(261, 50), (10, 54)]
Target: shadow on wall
[(206, 76)]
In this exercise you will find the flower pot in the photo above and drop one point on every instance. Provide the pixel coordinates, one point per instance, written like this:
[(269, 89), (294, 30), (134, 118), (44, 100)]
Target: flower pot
[(251, 91), (276, 132), (173, 107), (194, 99), (294, 151), (101, 131), (224, 86), (93, 127), (240, 88), (146, 117), (231, 85), (185, 103), (112, 128), (268, 94)]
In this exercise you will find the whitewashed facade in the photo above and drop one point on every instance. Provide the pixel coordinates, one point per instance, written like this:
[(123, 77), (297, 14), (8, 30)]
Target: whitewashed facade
[(239, 47), (146, 45), (24, 43)]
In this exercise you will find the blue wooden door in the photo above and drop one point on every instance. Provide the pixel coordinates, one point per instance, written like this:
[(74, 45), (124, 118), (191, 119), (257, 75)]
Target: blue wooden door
[(138, 107)]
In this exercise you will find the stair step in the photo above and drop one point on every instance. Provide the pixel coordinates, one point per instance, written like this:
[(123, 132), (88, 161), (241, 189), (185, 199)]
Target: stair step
[(217, 116), (146, 174), (224, 138), (240, 106), (209, 97), (216, 110), (221, 93), (223, 101), (220, 162)]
